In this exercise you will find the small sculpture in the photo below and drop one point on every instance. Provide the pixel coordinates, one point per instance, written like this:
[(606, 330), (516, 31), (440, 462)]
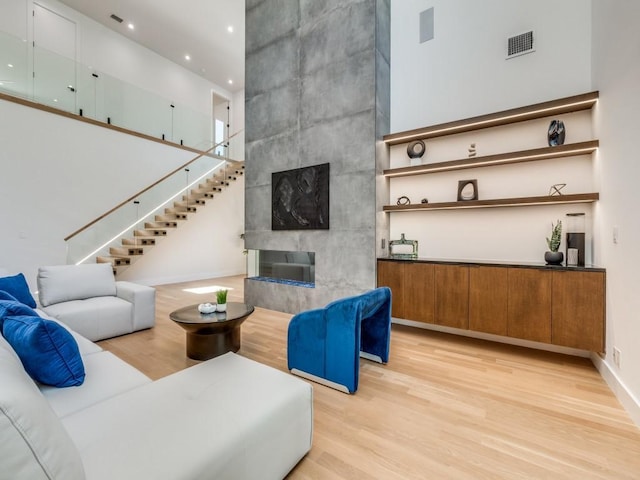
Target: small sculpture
[(424, 200), (472, 150), (555, 189), (416, 149), (556, 133), (403, 200), (403, 241), (467, 190)]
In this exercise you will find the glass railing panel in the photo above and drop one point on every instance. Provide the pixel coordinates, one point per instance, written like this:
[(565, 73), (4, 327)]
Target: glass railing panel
[(51, 79), (54, 80), (96, 239), (191, 127), (13, 66)]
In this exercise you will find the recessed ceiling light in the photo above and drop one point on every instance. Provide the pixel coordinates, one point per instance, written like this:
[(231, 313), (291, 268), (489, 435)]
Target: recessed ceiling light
[(187, 57), (10, 65), (55, 99), (230, 29), (131, 26), (230, 82)]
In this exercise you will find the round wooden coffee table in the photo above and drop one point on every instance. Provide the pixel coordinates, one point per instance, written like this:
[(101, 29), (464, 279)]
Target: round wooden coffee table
[(212, 334)]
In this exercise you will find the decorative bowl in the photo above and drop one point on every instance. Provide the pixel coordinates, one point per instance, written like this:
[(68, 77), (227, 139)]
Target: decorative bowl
[(207, 308)]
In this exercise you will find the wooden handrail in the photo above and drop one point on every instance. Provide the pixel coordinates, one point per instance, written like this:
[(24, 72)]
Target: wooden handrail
[(133, 197)]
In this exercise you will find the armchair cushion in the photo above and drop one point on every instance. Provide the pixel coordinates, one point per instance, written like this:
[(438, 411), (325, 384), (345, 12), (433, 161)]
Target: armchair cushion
[(63, 283), (18, 288), (49, 353)]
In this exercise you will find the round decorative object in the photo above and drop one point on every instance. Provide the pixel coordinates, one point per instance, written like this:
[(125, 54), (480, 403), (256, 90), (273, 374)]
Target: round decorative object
[(424, 200), (221, 307), (553, 258), (207, 308), (403, 200), (556, 133), (416, 149)]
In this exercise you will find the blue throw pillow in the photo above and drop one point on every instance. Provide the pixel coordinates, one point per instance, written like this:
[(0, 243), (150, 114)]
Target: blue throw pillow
[(48, 352), (17, 286)]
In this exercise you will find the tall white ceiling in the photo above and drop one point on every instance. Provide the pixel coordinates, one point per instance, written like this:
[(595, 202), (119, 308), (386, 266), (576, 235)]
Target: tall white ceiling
[(173, 29)]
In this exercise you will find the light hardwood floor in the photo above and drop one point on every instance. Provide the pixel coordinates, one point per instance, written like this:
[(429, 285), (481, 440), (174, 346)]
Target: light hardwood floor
[(444, 407)]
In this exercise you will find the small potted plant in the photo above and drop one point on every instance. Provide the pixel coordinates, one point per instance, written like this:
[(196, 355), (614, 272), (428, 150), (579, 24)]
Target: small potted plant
[(221, 297), (553, 256)]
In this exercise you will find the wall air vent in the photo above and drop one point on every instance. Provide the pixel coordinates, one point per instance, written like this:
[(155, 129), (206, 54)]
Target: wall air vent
[(520, 44), (116, 18)]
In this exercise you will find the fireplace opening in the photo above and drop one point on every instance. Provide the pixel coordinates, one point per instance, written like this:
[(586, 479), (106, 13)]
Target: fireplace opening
[(295, 268)]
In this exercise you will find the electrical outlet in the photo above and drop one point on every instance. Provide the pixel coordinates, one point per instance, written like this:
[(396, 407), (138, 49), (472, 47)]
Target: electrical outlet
[(616, 234), (616, 357)]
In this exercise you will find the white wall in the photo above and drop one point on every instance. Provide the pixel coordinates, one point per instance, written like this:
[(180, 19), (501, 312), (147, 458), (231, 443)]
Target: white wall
[(616, 73), (462, 72)]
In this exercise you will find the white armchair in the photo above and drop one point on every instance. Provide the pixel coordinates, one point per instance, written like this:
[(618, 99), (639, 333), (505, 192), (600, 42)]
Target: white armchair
[(90, 301)]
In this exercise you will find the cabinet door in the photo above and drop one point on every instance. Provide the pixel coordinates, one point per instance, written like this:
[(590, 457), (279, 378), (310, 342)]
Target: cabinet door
[(452, 295), (529, 304), (578, 310), (419, 292), (391, 274), (488, 294)]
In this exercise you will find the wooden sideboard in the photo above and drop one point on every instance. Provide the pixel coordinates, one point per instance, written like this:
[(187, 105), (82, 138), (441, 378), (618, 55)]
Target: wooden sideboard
[(550, 304)]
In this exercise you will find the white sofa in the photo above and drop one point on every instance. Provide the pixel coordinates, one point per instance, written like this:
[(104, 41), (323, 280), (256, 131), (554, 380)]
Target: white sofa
[(88, 299), (226, 418)]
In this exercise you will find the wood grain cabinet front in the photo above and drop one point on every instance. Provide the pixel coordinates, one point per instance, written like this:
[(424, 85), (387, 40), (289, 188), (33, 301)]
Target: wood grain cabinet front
[(529, 305), (488, 299), (391, 274), (578, 310), (419, 298), (562, 307), (452, 295)]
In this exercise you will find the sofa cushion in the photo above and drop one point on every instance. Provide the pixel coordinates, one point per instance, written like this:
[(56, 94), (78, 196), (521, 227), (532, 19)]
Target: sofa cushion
[(107, 376), (85, 346), (18, 288), (228, 417), (95, 318), (34, 443), (48, 351), (62, 283)]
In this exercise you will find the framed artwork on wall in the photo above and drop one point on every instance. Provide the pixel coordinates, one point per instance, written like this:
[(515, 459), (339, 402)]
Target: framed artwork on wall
[(300, 198)]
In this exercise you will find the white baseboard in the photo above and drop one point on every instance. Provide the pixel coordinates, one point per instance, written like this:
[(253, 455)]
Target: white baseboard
[(494, 338), (630, 403), (190, 277)]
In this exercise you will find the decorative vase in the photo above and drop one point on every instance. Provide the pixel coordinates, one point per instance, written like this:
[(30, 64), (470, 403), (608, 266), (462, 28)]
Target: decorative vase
[(222, 307), (553, 258), (556, 133)]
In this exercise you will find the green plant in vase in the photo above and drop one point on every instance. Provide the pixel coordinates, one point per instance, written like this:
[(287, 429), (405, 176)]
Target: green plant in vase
[(221, 298), (553, 256)]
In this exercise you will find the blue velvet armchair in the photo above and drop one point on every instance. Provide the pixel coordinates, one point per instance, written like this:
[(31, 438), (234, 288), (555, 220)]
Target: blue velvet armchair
[(325, 344)]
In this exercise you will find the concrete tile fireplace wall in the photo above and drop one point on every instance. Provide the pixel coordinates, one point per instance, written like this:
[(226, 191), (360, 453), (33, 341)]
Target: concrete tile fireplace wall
[(317, 91)]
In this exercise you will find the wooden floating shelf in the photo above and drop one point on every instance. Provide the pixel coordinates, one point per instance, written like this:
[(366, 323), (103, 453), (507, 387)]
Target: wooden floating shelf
[(546, 153), (499, 202), (575, 103)]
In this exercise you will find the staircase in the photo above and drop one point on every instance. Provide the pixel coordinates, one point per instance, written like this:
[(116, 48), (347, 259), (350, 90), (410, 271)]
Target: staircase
[(132, 248)]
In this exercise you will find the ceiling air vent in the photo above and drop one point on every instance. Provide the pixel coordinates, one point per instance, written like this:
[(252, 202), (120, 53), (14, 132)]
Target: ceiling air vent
[(116, 18), (520, 44)]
